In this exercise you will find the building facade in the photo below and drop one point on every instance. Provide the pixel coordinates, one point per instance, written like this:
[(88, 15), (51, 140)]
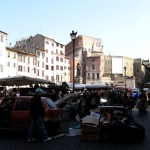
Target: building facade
[(3, 43), (88, 53), (37, 56), (141, 73), (118, 68), (114, 66)]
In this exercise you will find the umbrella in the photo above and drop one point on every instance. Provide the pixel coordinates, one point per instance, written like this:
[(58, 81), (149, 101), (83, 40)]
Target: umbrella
[(21, 80)]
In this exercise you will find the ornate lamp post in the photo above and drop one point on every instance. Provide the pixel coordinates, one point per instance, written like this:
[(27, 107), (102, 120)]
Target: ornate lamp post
[(73, 37), (125, 94), (125, 68)]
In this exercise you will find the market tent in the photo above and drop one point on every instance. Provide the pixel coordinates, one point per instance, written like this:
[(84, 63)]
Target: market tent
[(21, 80), (147, 85), (77, 86), (97, 86)]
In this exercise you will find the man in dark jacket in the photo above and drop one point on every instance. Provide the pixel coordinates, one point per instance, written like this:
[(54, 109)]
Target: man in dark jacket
[(36, 117)]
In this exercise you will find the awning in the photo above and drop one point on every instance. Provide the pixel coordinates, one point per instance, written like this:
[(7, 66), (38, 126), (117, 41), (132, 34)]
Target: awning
[(21, 80)]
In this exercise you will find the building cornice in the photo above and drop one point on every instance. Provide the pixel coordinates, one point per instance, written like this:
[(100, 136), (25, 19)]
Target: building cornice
[(4, 32)]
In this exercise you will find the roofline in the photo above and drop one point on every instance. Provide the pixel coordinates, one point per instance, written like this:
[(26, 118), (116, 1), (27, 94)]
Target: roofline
[(19, 51), (51, 39), (4, 32)]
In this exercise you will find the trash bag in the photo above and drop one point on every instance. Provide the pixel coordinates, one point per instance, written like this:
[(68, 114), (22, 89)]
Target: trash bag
[(124, 132)]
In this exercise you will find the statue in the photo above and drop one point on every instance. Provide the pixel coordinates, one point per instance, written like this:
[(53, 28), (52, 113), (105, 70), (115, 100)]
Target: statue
[(78, 69)]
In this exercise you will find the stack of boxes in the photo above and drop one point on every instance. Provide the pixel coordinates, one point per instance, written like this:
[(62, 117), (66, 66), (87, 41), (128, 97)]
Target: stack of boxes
[(90, 127)]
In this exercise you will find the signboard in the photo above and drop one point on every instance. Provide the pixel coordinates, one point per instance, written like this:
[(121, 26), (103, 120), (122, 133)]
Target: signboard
[(117, 65)]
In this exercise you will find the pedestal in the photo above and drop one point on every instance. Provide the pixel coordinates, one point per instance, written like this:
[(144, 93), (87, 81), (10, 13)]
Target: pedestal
[(78, 80)]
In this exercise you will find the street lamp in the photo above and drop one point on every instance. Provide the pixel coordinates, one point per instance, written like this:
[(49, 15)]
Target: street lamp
[(125, 94), (73, 37), (125, 68)]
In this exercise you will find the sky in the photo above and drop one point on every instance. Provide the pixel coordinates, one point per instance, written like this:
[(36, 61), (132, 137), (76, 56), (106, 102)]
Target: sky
[(122, 25)]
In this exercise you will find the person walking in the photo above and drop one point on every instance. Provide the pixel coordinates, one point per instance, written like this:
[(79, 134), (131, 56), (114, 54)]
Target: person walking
[(83, 106), (36, 117)]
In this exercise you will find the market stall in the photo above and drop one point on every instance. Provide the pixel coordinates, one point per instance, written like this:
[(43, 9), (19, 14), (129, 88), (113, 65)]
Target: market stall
[(110, 123)]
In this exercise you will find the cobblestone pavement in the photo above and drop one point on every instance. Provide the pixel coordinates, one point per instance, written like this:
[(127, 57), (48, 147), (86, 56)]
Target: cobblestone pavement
[(10, 141)]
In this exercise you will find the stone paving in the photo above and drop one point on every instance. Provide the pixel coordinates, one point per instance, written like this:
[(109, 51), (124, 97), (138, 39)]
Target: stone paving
[(16, 141)]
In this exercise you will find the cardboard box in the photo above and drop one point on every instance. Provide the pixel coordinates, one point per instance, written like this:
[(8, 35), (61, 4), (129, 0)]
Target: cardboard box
[(97, 110), (96, 115), (88, 128), (90, 137), (90, 132), (74, 132), (90, 120)]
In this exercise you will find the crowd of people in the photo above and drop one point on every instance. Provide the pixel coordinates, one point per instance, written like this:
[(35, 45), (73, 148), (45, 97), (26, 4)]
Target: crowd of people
[(89, 99), (131, 99)]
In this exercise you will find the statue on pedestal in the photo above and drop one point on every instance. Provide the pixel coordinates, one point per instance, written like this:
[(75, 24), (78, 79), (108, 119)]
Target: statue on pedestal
[(78, 70)]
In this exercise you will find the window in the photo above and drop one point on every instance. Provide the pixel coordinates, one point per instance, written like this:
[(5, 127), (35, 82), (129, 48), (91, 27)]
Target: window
[(0, 52), (50, 103), (56, 51), (97, 75), (46, 67), (24, 59), (93, 66), (34, 70), (1, 68), (42, 73), (38, 53), (52, 78), (57, 44), (14, 65), (46, 59), (61, 59), (24, 68), (14, 55), (2, 38), (28, 60), (28, 69), (8, 54), (46, 78), (52, 61), (42, 64), (61, 68), (88, 76), (34, 61), (43, 55), (22, 105), (61, 52), (19, 58), (20, 68), (93, 60), (47, 42), (38, 72), (57, 77), (8, 64), (93, 75), (57, 58), (52, 67), (38, 63), (57, 67)]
